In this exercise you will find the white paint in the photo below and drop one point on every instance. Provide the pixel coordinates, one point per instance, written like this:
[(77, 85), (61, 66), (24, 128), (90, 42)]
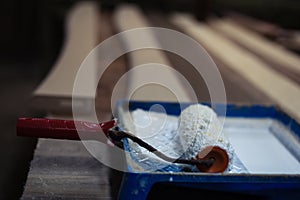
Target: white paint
[(258, 148)]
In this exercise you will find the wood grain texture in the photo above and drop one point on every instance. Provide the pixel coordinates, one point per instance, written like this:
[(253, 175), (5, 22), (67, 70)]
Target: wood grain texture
[(64, 169)]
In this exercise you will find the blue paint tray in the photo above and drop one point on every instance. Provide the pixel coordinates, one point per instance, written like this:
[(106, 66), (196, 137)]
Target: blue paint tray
[(265, 139)]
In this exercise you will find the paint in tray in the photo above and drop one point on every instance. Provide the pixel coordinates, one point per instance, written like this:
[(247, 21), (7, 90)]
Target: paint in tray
[(254, 144)]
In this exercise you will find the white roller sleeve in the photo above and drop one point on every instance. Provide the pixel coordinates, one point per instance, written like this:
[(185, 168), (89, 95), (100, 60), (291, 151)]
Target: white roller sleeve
[(200, 128)]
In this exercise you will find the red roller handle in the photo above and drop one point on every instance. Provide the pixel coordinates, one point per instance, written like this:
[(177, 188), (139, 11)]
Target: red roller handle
[(61, 129)]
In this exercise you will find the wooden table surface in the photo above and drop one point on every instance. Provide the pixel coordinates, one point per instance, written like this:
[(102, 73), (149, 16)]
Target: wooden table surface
[(65, 170)]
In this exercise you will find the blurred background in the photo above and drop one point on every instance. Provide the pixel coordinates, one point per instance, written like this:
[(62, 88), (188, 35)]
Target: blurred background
[(31, 38)]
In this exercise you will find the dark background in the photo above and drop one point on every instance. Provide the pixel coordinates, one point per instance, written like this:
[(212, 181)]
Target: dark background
[(34, 28), (31, 37)]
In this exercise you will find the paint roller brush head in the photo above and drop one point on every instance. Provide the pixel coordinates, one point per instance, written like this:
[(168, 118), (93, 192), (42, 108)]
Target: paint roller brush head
[(201, 138)]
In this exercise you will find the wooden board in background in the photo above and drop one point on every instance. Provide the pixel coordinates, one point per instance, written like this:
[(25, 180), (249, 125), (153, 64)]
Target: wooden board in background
[(236, 93), (280, 89), (82, 29), (270, 51), (129, 17)]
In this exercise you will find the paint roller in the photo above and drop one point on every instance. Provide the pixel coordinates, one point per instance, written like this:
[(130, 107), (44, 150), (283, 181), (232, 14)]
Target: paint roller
[(198, 132), (201, 138)]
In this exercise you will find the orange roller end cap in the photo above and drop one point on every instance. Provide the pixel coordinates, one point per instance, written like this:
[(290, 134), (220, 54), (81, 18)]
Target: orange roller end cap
[(220, 156)]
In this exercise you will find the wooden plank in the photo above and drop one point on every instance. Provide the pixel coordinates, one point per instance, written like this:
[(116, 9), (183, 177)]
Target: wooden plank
[(280, 89), (261, 27), (82, 34), (279, 66), (129, 17), (256, 43), (236, 92), (285, 37), (64, 169)]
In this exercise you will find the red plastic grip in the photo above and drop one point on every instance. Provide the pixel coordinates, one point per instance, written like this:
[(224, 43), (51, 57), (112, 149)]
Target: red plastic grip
[(61, 129)]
